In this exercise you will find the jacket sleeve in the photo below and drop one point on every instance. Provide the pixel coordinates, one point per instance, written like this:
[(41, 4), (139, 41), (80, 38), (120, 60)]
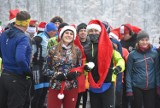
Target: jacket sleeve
[(22, 54), (118, 60), (157, 70), (129, 73)]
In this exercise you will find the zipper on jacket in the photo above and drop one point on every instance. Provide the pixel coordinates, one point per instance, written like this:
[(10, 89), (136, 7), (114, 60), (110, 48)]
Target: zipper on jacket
[(146, 72)]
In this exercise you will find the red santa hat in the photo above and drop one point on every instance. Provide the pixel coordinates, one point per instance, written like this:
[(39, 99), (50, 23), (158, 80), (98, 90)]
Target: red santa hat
[(12, 16), (104, 56), (128, 28), (32, 26), (93, 26), (65, 28), (115, 33), (33, 22), (41, 26)]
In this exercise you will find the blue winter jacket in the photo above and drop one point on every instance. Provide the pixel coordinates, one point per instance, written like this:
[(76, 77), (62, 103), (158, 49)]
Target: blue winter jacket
[(142, 70), (15, 51)]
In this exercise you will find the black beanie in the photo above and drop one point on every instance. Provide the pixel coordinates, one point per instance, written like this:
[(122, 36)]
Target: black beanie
[(141, 35), (62, 25), (81, 26)]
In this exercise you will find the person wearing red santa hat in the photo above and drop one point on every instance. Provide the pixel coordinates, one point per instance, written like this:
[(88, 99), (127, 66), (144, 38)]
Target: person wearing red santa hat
[(67, 61), (32, 28), (129, 35), (41, 27), (102, 77), (12, 18)]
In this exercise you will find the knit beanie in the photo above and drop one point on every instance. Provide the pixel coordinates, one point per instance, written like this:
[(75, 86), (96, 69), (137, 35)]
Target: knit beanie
[(141, 35), (81, 26), (61, 26), (65, 28), (50, 27)]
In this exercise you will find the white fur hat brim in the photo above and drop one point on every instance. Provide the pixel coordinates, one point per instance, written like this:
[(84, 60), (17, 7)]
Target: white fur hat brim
[(68, 28), (112, 35), (93, 26)]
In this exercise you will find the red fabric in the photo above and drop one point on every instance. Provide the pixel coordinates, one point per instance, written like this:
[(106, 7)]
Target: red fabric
[(81, 78), (135, 29), (125, 54), (13, 13), (33, 22), (69, 100), (105, 51), (116, 31)]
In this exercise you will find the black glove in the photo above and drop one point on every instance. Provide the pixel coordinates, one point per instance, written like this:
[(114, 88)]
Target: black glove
[(61, 77), (86, 68), (28, 75), (71, 75), (117, 70)]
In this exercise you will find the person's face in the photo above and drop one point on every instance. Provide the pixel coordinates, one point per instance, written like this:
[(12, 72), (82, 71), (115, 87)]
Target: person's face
[(93, 31), (144, 42), (126, 36), (52, 33), (82, 33), (57, 24), (67, 37)]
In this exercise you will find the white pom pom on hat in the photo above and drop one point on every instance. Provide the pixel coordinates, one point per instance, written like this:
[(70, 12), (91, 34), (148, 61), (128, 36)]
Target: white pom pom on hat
[(93, 26), (90, 65), (61, 95), (65, 28)]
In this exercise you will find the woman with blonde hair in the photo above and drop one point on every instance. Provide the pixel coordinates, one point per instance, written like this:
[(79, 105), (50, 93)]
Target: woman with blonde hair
[(66, 63)]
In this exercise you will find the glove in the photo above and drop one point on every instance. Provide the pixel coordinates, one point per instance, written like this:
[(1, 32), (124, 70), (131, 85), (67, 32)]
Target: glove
[(71, 75), (61, 77), (28, 75), (86, 68), (117, 70), (130, 97)]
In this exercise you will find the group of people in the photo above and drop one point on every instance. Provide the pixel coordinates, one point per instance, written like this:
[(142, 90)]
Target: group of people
[(55, 64)]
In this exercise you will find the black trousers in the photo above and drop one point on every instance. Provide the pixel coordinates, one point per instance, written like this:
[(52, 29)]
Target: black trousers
[(39, 95), (144, 98), (84, 95), (13, 91), (103, 100)]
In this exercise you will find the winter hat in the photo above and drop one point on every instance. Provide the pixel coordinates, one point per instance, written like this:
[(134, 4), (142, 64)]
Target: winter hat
[(65, 28), (128, 28), (93, 26), (61, 26), (32, 22), (125, 29), (107, 26), (12, 16), (104, 56), (56, 19), (50, 27), (141, 35), (81, 26), (31, 28), (41, 26)]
